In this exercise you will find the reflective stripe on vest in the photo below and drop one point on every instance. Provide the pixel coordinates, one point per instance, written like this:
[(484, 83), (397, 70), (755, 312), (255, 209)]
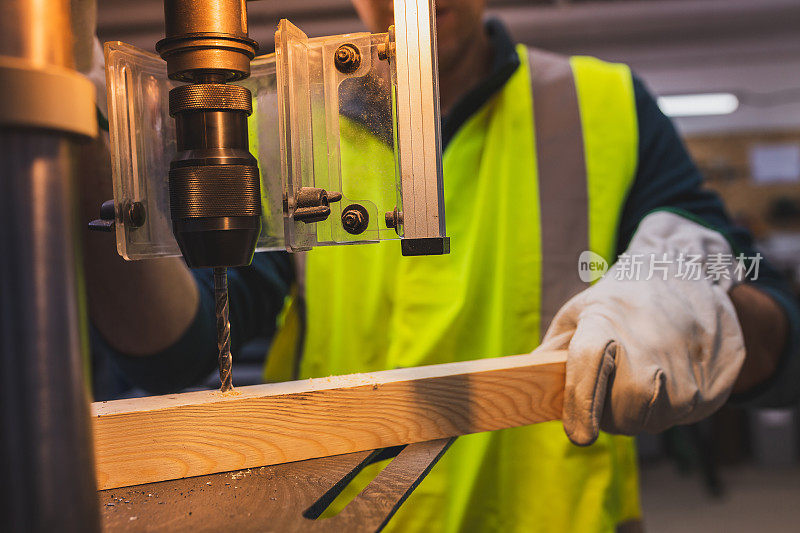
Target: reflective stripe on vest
[(563, 198)]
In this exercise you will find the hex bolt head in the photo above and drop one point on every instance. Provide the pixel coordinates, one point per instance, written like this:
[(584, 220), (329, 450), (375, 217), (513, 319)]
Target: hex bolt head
[(347, 58), (355, 219), (393, 218)]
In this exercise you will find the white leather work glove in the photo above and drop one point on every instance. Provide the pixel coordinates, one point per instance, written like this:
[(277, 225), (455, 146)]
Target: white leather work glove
[(647, 354)]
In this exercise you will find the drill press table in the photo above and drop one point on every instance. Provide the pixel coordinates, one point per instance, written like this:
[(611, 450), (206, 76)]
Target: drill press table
[(281, 498)]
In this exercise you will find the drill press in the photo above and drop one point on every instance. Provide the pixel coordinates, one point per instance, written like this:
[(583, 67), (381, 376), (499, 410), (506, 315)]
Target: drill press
[(344, 131), (214, 184)]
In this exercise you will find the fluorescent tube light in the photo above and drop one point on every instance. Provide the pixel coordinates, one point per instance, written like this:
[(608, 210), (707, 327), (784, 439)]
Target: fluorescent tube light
[(698, 105)]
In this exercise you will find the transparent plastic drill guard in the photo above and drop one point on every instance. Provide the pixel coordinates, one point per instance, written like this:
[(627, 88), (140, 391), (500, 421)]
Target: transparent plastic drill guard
[(337, 133), (323, 128), (142, 135)]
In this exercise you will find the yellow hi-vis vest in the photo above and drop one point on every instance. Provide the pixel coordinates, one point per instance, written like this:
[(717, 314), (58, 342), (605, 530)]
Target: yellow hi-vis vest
[(534, 178)]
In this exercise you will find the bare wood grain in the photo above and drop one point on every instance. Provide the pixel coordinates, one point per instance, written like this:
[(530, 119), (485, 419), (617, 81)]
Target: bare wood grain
[(170, 437)]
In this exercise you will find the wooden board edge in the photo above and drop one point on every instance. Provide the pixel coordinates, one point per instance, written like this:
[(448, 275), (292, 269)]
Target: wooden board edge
[(150, 439)]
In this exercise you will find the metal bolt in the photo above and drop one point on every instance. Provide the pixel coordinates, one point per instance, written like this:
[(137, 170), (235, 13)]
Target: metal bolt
[(387, 49), (393, 219), (135, 214), (347, 58), (355, 219), (352, 220)]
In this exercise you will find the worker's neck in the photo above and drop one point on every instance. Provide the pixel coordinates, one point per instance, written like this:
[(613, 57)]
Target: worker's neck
[(462, 70)]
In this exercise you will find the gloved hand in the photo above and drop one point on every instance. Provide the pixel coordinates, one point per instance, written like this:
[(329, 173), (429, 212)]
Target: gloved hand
[(645, 355)]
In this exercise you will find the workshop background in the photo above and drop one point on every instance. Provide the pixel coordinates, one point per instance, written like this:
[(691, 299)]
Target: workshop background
[(739, 471)]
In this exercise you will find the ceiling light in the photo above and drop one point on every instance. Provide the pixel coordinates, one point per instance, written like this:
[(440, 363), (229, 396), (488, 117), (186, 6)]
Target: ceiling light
[(698, 105)]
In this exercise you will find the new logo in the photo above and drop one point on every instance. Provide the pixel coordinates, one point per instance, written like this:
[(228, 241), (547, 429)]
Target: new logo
[(591, 266)]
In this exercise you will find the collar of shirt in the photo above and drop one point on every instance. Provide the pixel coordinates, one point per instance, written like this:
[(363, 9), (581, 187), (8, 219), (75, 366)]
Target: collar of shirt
[(504, 64)]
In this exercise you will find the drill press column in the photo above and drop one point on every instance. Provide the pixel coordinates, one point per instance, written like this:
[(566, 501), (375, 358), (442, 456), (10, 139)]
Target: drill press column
[(214, 185)]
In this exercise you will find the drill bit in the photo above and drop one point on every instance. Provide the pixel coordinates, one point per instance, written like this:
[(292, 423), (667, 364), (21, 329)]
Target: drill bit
[(223, 328)]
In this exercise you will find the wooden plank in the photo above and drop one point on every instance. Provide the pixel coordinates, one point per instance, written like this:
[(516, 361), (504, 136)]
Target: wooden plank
[(181, 435)]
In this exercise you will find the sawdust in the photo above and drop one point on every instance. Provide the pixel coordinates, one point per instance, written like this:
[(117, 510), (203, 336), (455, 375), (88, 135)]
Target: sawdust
[(240, 474)]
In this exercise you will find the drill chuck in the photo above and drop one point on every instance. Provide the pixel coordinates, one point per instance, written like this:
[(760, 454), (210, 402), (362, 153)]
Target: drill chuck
[(214, 185)]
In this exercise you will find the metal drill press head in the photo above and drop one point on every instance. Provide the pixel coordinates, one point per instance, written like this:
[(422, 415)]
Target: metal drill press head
[(214, 185), (347, 129)]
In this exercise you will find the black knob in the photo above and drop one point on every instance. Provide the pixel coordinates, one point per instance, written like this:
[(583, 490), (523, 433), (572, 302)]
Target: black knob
[(107, 219)]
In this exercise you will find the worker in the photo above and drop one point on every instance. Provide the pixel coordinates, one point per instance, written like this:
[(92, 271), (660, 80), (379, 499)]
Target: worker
[(553, 167)]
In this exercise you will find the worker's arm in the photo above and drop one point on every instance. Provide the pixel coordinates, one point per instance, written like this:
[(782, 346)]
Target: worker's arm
[(155, 317), (667, 178), (765, 328), (140, 307), (647, 352)]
